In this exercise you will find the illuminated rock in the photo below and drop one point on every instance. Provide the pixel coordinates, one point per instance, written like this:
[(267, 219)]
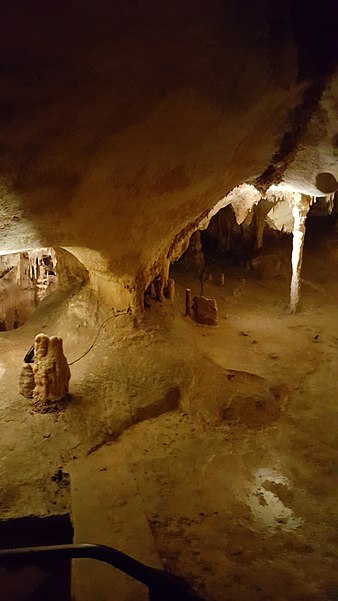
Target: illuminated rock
[(50, 369), (300, 210)]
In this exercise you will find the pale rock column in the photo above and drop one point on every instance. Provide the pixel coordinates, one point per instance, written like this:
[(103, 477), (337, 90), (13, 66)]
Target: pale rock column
[(300, 208)]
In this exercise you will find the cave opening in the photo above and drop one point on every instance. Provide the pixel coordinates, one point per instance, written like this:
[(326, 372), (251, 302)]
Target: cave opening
[(26, 278)]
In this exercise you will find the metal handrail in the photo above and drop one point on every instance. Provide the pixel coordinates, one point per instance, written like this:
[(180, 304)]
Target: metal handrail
[(162, 585)]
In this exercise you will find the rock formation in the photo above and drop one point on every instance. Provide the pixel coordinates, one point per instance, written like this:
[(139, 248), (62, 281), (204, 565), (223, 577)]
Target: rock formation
[(50, 368), (205, 310), (46, 380), (300, 210)]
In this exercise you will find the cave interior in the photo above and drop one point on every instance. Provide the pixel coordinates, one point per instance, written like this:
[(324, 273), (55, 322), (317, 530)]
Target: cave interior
[(169, 296)]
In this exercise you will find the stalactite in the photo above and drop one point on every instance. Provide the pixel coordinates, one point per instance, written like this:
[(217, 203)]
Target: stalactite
[(261, 210)]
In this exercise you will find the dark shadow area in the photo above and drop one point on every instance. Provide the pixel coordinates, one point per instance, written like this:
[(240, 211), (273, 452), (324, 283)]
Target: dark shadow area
[(45, 580)]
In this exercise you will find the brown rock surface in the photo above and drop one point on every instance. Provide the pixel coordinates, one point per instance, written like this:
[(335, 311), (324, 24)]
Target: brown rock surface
[(205, 310)]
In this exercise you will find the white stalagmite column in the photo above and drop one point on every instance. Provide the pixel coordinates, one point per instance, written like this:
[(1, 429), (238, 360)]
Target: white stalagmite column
[(300, 209)]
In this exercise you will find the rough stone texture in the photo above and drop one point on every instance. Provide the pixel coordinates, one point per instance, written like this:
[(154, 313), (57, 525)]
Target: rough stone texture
[(169, 402), (205, 310), (123, 123), (26, 381), (50, 369), (178, 478), (243, 199), (71, 273), (257, 409), (314, 168)]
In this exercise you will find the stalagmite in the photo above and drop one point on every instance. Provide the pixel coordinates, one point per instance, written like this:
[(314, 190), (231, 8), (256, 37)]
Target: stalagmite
[(171, 290), (50, 369), (188, 302), (300, 209), (261, 210)]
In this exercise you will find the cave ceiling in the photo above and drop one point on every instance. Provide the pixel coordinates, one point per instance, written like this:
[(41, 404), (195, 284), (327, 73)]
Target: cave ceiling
[(123, 122)]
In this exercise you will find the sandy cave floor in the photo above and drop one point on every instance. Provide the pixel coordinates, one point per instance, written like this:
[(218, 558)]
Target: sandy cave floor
[(242, 509)]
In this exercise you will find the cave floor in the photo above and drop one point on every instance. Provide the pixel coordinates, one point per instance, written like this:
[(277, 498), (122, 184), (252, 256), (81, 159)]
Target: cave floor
[(242, 509)]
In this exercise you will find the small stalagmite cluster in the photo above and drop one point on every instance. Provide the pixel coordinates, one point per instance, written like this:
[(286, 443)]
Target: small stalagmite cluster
[(46, 379), (158, 290)]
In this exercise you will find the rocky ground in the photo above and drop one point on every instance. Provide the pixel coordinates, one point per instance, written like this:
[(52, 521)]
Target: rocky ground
[(209, 451)]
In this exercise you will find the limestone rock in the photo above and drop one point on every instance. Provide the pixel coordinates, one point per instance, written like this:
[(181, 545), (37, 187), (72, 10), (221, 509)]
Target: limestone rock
[(205, 310), (50, 369), (26, 381)]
